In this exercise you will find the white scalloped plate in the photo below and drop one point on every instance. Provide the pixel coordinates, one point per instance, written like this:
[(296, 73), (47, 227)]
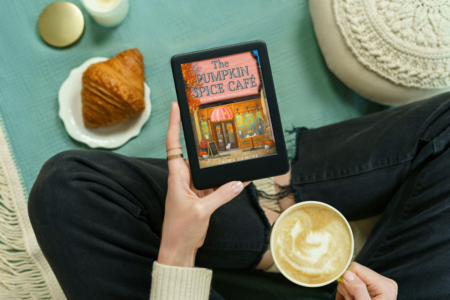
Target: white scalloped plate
[(104, 137)]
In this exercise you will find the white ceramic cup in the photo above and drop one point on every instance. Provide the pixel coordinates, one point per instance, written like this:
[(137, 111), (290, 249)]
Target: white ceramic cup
[(107, 14), (273, 231)]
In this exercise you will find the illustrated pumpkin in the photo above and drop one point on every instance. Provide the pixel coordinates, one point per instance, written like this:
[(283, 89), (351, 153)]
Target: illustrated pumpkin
[(270, 143), (201, 153)]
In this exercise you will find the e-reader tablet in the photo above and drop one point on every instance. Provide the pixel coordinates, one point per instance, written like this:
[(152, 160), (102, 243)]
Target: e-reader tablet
[(229, 114)]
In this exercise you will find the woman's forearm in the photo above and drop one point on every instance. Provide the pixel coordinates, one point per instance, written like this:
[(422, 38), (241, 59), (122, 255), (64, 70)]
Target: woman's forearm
[(186, 221), (177, 256)]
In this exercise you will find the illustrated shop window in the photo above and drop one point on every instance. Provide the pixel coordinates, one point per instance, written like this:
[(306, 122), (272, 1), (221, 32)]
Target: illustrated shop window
[(239, 124), (205, 130), (249, 123), (259, 121)]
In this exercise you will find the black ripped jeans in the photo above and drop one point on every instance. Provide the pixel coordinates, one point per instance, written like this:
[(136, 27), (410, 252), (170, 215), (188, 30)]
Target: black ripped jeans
[(98, 215)]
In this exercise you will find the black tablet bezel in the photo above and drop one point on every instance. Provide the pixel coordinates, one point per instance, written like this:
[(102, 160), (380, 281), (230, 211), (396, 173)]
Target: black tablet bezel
[(245, 170)]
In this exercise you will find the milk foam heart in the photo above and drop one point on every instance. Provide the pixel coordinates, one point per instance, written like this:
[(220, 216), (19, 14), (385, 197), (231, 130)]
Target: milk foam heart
[(312, 243)]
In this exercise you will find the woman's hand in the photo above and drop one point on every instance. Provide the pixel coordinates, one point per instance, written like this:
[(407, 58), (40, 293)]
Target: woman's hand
[(188, 210), (361, 283)]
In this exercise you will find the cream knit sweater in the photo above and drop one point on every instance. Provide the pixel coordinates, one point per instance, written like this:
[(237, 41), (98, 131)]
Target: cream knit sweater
[(178, 283)]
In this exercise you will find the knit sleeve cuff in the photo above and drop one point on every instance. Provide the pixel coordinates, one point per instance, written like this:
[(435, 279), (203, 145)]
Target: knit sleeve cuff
[(169, 283)]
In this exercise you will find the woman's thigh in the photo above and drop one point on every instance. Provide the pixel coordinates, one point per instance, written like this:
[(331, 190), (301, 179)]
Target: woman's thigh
[(98, 218), (411, 241)]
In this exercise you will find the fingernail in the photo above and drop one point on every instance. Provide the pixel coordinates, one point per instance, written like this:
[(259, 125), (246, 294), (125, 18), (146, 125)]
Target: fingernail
[(237, 187), (349, 276)]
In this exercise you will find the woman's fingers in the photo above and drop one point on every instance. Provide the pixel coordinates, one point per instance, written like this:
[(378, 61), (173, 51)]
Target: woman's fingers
[(173, 131), (355, 286), (173, 139), (342, 291), (376, 283), (245, 184), (340, 294), (367, 275), (222, 195)]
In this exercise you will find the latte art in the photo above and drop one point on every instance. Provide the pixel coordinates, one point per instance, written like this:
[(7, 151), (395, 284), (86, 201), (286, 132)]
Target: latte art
[(312, 244)]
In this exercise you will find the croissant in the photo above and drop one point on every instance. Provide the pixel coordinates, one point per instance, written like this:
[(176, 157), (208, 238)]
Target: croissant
[(113, 90)]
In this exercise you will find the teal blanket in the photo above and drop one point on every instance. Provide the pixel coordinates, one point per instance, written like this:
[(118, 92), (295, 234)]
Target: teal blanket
[(31, 72)]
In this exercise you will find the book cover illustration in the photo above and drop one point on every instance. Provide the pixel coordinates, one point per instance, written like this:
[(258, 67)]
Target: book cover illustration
[(228, 108)]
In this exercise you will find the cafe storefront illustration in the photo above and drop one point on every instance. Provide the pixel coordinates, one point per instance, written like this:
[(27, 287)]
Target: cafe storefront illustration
[(236, 125), (230, 115)]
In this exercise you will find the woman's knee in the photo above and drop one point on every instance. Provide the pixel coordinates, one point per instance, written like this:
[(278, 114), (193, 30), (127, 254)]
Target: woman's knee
[(74, 183), (53, 184)]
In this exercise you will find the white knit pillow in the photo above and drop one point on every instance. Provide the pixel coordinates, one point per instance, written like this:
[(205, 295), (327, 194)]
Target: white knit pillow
[(392, 52)]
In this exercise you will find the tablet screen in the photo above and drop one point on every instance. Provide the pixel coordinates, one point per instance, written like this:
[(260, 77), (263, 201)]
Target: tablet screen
[(228, 107)]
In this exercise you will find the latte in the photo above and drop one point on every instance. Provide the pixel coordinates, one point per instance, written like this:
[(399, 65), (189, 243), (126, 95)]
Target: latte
[(312, 243)]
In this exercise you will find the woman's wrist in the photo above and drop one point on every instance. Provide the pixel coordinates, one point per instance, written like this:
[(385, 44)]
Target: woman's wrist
[(177, 256)]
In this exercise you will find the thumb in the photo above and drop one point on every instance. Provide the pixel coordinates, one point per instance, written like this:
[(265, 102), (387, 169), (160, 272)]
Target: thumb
[(222, 195), (355, 286)]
